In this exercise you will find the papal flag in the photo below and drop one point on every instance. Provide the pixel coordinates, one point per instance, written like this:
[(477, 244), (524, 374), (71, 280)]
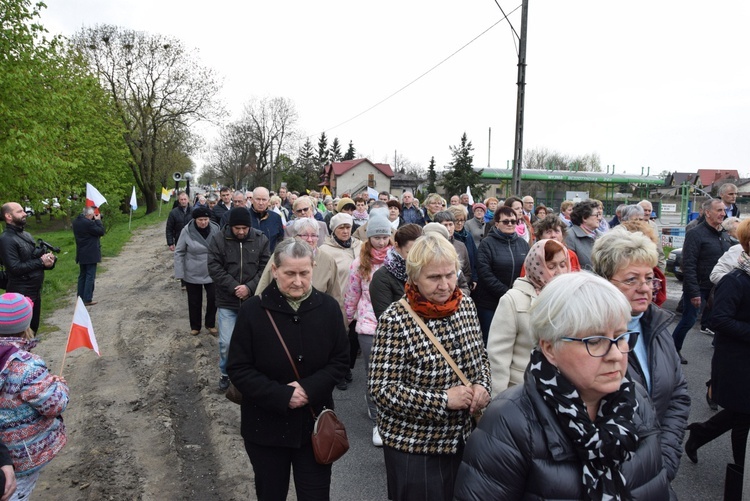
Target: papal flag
[(165, 194), (133, 201)]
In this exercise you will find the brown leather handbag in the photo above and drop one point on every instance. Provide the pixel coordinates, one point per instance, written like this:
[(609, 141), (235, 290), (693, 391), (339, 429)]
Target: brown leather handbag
[(329, 440)]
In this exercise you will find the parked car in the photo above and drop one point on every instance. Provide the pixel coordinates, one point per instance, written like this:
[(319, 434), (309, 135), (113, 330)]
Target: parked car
[(674, 263)]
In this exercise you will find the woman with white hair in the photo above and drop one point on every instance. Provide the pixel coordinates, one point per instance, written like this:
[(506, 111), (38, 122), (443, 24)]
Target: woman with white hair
[(628, 259), (424, 407), (578, 427)]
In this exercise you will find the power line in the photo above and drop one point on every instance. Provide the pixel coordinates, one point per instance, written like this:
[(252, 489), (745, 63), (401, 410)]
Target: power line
[(420, 76)]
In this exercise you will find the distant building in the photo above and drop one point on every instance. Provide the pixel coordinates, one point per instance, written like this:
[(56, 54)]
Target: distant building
[(355, 176)]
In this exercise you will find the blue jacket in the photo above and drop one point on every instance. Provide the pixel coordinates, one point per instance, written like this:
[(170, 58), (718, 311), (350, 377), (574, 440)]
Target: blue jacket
[(270, 224)]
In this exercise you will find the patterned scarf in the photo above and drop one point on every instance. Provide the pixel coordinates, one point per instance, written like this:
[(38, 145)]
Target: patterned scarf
[(602, 445), (427, 309), (536, 267), (743, 262), (360, 216), (396, 265)]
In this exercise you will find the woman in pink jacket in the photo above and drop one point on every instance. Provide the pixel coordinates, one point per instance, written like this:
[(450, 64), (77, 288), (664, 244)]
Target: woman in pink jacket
[(357, 297)]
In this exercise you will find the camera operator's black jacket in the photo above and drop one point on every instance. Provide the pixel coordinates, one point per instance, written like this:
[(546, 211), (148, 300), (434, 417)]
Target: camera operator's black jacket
[(25, 272)]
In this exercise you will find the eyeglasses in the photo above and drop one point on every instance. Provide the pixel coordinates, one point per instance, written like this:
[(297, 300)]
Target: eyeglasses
[(632, 283), (599, 346), (460, 221), (306, 236), (508, 221), (302, 210)]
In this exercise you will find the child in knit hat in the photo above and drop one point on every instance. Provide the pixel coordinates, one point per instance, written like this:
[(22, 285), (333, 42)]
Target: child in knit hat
[(31, 399)]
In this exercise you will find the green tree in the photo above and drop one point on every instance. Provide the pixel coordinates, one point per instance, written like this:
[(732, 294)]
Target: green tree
[(335, 152), (351, 153), (321, 159), (431, 177), (158, 89), (461, 173), (56, 126)]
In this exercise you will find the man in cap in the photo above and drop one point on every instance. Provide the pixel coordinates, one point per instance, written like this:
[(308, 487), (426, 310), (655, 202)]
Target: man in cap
[(236, 259)]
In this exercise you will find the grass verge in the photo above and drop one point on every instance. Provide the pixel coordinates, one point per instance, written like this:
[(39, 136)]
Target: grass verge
[(61, 283)]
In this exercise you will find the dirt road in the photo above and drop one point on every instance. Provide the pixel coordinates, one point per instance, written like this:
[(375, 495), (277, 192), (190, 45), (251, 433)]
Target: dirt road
[(145, 420)]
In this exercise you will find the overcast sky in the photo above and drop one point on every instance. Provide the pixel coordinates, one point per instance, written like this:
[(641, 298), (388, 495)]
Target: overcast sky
[(662, 84)]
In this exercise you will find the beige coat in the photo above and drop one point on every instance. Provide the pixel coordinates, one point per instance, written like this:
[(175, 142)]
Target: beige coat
[(509, 344), (324, 279), (343, 258)]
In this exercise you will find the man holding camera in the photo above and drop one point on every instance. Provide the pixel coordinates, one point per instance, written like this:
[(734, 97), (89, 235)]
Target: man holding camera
[(24, 261), (88, 229)]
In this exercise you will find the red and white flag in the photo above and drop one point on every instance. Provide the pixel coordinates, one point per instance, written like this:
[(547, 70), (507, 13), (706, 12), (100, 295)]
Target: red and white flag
[(82, 331), (93, 197)]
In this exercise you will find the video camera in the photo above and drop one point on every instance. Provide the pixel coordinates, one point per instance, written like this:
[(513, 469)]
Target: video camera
[(43, 248)]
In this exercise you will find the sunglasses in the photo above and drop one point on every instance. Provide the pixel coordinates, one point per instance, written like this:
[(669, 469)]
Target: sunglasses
[(508, 221)]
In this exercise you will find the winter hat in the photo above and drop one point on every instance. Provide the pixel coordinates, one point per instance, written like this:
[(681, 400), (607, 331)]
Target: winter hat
[(479, 205), (200, 212), (15, 313), (378, 224), (437, 229), (343, 203), (240, 216), (339, 219)]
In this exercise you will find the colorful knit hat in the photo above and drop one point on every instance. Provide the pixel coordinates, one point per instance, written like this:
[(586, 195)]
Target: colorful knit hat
[(15, 313)]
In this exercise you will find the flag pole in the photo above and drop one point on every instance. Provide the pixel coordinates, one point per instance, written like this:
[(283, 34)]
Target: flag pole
[(65, 354), (131, 218)]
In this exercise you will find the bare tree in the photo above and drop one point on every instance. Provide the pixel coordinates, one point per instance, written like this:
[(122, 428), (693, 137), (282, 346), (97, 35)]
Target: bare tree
[(157, 87), (233, 157), (274, 125)]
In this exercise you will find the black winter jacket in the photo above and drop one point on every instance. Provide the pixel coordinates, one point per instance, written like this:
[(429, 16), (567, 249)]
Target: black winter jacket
[(730, 317), (519, 451), (499, 261), (232, 262), (385, 289), (178, 218), (703, 247), (87, 233), (669, 392), (259, 368), (25, 272)]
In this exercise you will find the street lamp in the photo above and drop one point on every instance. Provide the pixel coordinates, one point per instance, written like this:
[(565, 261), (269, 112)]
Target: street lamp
[(187, 177)]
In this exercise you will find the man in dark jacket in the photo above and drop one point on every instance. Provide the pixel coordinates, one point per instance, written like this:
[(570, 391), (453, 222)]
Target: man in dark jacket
[(264, 220), (178, 218), (24, 263), (236, 259), (728, 195), (703, 247), (88, 229), (224, 205), (409, 211)]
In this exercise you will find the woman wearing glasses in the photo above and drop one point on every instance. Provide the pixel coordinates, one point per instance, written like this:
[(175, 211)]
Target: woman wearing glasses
[(499, 260), (578, 427), (627, 260)]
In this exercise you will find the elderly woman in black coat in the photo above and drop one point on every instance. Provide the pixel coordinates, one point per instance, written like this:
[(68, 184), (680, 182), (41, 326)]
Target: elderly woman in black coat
[(730, 375), (579, 427), (277, 409)]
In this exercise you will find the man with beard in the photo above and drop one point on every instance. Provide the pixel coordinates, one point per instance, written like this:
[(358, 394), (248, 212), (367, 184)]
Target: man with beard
[(23, 263), (264, 220)]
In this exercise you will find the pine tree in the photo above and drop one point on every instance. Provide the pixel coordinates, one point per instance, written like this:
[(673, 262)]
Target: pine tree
[(431, 177), (461, 174), (322, 157), (335, 152), (350, 153)]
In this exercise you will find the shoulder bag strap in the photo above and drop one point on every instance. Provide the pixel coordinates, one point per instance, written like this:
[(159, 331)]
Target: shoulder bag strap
[(435, 341), (286, 350)]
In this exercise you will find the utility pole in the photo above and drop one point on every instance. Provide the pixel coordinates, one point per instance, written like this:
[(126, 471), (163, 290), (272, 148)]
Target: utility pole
[(489, 147), (518, 148)]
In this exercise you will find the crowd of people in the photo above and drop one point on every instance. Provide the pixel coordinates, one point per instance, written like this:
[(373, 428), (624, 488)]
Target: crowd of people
[(454, 301), (483, 379)]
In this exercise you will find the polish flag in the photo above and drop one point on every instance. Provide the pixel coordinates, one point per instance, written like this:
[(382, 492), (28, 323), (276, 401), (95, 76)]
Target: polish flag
[(81, 332), (93, 197)]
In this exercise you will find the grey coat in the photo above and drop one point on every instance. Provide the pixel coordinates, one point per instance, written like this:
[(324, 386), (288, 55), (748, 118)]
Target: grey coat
[(582, 244), (668, 385), (191, 254)]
